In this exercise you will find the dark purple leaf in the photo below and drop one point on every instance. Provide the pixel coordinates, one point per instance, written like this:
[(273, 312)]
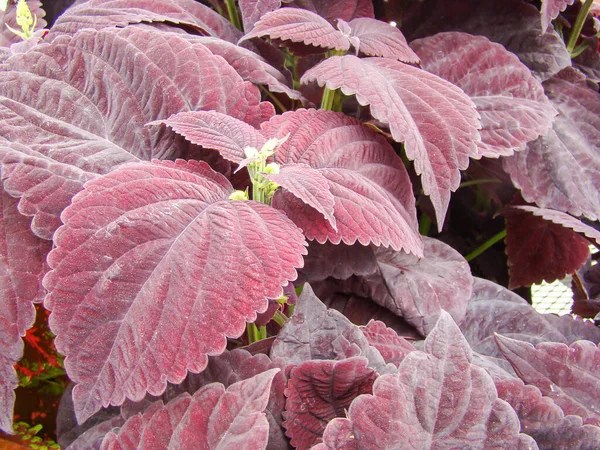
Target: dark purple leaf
[(218, 131), (315, 332), (574, 328), (100, 14), (214, 417), (550, 10), (337, 9), (570, 433), (539, 250), (392, 347), (512, 104), (418, 289), (299, 25), (567, 374), (252, 10), (379, 38), (373, 196), (7, 37), (22, 266), (438, 399), (319, 391), (572, 186), (436, 120), (178, 217)]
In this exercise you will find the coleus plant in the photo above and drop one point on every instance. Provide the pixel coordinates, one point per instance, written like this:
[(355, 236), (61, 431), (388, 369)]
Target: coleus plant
[(173, 176)]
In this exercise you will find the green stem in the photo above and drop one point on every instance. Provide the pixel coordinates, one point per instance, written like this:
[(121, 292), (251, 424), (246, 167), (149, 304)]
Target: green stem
[(487, 244), (327, 100), (262, 333), (280, 318), (480, 181), (233, 14), (424, 224), (576, 30), (274, 99), (253, 333)]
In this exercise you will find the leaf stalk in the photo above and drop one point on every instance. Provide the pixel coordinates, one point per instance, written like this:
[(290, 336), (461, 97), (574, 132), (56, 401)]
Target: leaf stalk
[(487, 244)]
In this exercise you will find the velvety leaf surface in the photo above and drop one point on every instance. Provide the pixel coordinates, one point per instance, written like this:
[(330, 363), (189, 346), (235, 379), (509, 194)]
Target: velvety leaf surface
[(9, 16), (570, 433), (379, 38), (81, 129), (319, 391), (550, 10), (539, 250), (169, 213), (299, 25), (316, 332), (567, 374), (438, 399), (436, 120), (511, 102), (373, 196), (22, 266), (100, 14), (214, 417), (218, 131), (572, 186), (418, 289), (252, 10), (392, 347), (332, 10)]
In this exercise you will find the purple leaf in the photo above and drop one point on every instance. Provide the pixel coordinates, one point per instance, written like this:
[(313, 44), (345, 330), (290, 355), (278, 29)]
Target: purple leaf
[(379, 38), (567, 374), (392, 347), (373, 196), (299, 25), (436, 120), (514, 109), (252, 10), (168, 213), (100, 14), (212, 418), (218, 131), (572, 186), (22, 266), (9, 16), (539, 250), (338, 9), (570, 433), (308, 185), (319, 391), (418, 289), (550, 10), (438, 399)]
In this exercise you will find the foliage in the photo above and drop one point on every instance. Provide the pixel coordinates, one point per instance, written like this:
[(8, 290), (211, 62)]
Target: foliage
[(170, 184)]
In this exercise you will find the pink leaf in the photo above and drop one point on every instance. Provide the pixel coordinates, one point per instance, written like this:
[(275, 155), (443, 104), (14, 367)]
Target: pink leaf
[(436, 120), (319, 391), (299, 25), (514, 109), (371, 189), (218, 131), (392, 347), (550, 10), (253, 10), (572, 186), (22, 266), (214, 417), (379, 38), (137, 236), (338, 9), (438, 399)]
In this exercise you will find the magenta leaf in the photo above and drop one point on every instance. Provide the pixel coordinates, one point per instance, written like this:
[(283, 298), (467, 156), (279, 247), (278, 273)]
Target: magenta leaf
[(418, 289), (299, 25), (252, 10), (513, 107), (168, 213), (550, 10), (373, 200), (392, 347), (567, 374), (438, 399), (100, 14), (218, 131), (539, 250), (213, 417), (338, 9), (379, 38), (573, 185), (22, 266), (319, 391), (436, 120)]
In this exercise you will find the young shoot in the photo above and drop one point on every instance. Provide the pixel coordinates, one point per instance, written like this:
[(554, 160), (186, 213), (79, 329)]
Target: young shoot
[(25, 20)]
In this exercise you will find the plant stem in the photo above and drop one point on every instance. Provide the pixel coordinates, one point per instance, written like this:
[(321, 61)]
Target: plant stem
[(233, 14), (487, 244), (253, 333), (327, 100), (424, 224), (274, 99), (280, 318), (480, 181), (576, 30)]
